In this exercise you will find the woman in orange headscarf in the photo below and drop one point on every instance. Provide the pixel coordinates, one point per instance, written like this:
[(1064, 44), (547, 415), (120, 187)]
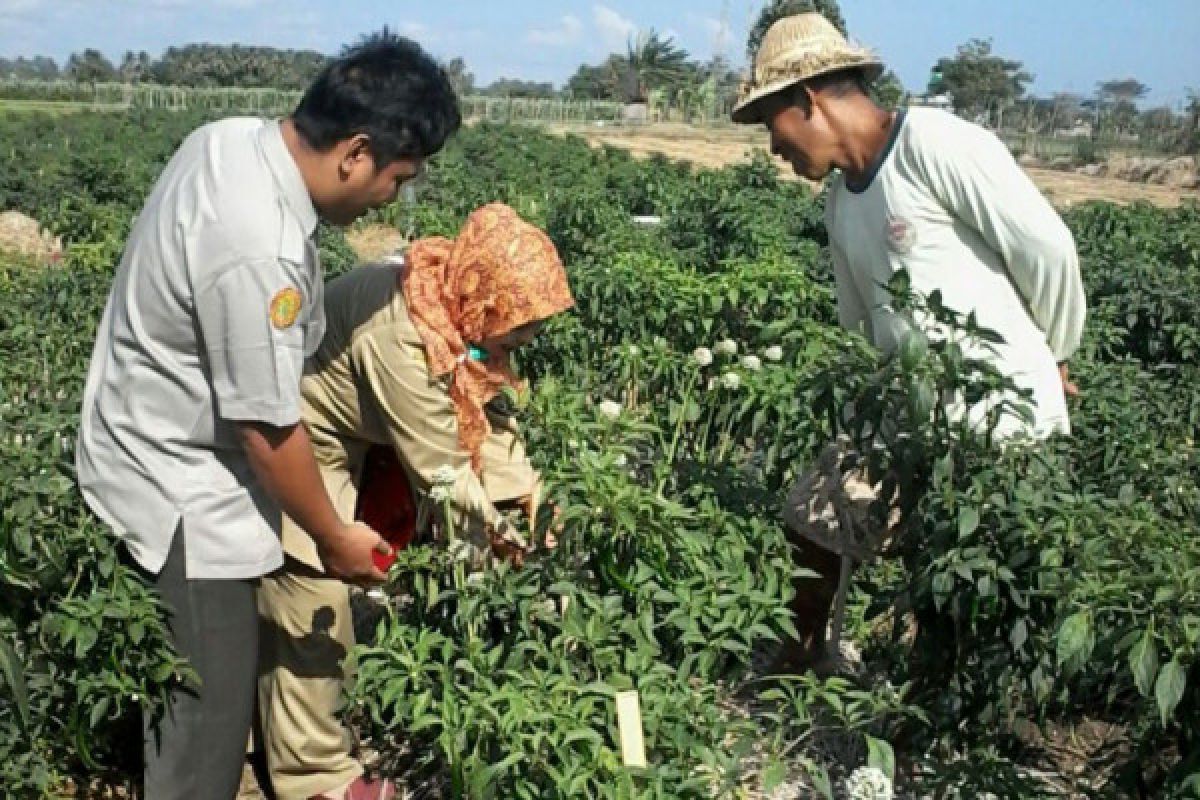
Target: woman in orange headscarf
[(492, 287), (414, 351)]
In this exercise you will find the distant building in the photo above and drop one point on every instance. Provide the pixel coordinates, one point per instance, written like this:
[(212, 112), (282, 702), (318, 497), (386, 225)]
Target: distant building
[(941, 101), (1081, 129)]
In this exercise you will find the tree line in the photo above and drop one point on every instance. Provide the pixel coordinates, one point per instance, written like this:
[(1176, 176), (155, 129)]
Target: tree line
[(975, 81)]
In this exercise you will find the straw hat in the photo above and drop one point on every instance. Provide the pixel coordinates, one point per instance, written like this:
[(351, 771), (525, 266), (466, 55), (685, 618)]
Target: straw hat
[(795, 49)]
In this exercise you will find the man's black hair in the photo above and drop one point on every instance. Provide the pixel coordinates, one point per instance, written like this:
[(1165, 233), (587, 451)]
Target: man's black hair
[(387, 87), (841, 83)]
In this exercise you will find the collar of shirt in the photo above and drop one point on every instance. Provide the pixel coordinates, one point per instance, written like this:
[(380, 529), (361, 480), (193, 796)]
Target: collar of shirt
[(287, 176), (880, 158)]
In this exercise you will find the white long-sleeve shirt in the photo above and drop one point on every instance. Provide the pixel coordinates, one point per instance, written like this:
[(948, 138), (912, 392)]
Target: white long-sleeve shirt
[(949, 204)]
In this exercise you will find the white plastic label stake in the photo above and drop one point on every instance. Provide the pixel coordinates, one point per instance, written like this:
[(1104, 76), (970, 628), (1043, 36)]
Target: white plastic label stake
[(629, 724)]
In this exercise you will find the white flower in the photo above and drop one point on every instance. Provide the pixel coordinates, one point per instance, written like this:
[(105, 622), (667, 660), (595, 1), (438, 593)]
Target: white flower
[(621, 460), (445, 476), (458, 550), (634, 350), (702, 356), (439, 493), (868, 783), (731, 380), (573, 444), (773, 353), (752, 363), (727, 347), (134, 697), (610, 409)]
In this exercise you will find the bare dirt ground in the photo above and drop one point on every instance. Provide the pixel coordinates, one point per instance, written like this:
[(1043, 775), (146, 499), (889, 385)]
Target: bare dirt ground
[(718, 147)]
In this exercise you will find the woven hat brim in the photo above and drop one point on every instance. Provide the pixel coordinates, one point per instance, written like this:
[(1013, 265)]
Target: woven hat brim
[(746, 110)]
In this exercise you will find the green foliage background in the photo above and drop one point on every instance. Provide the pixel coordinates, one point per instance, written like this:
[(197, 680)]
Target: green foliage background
[(1031, 587)]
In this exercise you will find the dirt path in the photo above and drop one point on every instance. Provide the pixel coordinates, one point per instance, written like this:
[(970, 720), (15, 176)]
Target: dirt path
[(718, 147)]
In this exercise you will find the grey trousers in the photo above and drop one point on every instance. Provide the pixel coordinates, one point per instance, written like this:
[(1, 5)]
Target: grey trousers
[(197, 750)]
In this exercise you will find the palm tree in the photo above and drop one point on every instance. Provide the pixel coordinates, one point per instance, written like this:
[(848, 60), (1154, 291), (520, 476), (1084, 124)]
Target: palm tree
[(650, 62)]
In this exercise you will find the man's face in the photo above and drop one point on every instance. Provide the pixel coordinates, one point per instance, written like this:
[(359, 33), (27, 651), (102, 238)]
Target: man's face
[(362, 186), (800, 136)]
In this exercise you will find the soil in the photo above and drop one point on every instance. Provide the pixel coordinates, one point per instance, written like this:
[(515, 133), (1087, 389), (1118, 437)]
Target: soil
[(718, 147)]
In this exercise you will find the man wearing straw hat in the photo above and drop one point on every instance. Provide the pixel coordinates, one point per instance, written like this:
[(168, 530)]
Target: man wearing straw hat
[(926, 192)]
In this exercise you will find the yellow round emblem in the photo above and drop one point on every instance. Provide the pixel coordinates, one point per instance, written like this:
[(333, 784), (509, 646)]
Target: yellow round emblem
[(285, 307)]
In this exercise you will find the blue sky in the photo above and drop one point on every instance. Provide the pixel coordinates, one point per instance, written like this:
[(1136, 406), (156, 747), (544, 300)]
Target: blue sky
[(1068, 44)]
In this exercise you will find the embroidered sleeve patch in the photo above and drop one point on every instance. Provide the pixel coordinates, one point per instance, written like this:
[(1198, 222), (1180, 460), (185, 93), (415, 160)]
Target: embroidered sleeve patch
[(285, 307)]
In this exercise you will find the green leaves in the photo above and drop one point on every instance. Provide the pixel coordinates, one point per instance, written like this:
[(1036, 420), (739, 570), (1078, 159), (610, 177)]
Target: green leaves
[(913, 348), (13, 672), (1168, 689), (881, 756), (1039, 574), (1075, 640), (968, 521), (1143, 661)]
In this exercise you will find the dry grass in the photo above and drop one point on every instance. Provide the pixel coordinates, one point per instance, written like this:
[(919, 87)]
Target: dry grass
[(373, 243), (23, 237)]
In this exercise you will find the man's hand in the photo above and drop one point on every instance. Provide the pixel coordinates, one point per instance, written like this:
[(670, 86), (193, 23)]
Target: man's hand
[(1069, 387), (347, 554), (283, 462)]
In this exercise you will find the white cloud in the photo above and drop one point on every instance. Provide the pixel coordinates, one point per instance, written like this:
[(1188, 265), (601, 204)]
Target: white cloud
[(567, 32), (615, 30)]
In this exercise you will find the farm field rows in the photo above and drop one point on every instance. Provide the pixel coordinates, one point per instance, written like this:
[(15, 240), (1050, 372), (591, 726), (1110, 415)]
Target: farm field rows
[(726, 146), (1033, 632)]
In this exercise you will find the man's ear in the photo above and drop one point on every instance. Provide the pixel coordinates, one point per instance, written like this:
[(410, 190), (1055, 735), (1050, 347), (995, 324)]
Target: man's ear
[(806, 99), (355, 151)]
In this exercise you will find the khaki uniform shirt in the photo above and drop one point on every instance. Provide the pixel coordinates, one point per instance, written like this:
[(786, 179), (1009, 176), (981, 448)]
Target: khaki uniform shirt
[(214, 307), (369, 384)]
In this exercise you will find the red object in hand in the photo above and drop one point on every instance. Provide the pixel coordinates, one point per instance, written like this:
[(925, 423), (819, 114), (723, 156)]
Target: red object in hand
[(385, 502)]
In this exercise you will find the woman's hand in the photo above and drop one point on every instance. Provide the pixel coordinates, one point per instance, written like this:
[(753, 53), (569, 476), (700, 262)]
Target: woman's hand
[(505, 545), (530, 503), (1069, 387)]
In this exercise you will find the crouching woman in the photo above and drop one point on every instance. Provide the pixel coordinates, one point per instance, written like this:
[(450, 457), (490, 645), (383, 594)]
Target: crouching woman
[(414, 352)]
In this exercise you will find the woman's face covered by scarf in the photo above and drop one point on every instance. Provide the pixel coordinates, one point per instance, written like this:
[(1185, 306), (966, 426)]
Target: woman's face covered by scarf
[(492, 286), (517, 337)]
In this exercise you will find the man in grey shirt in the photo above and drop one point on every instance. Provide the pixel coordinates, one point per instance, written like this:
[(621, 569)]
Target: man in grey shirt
[(191, 446)]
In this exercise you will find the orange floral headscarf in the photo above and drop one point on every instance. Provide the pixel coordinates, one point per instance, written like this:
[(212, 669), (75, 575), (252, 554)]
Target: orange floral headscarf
[(499, 274)]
